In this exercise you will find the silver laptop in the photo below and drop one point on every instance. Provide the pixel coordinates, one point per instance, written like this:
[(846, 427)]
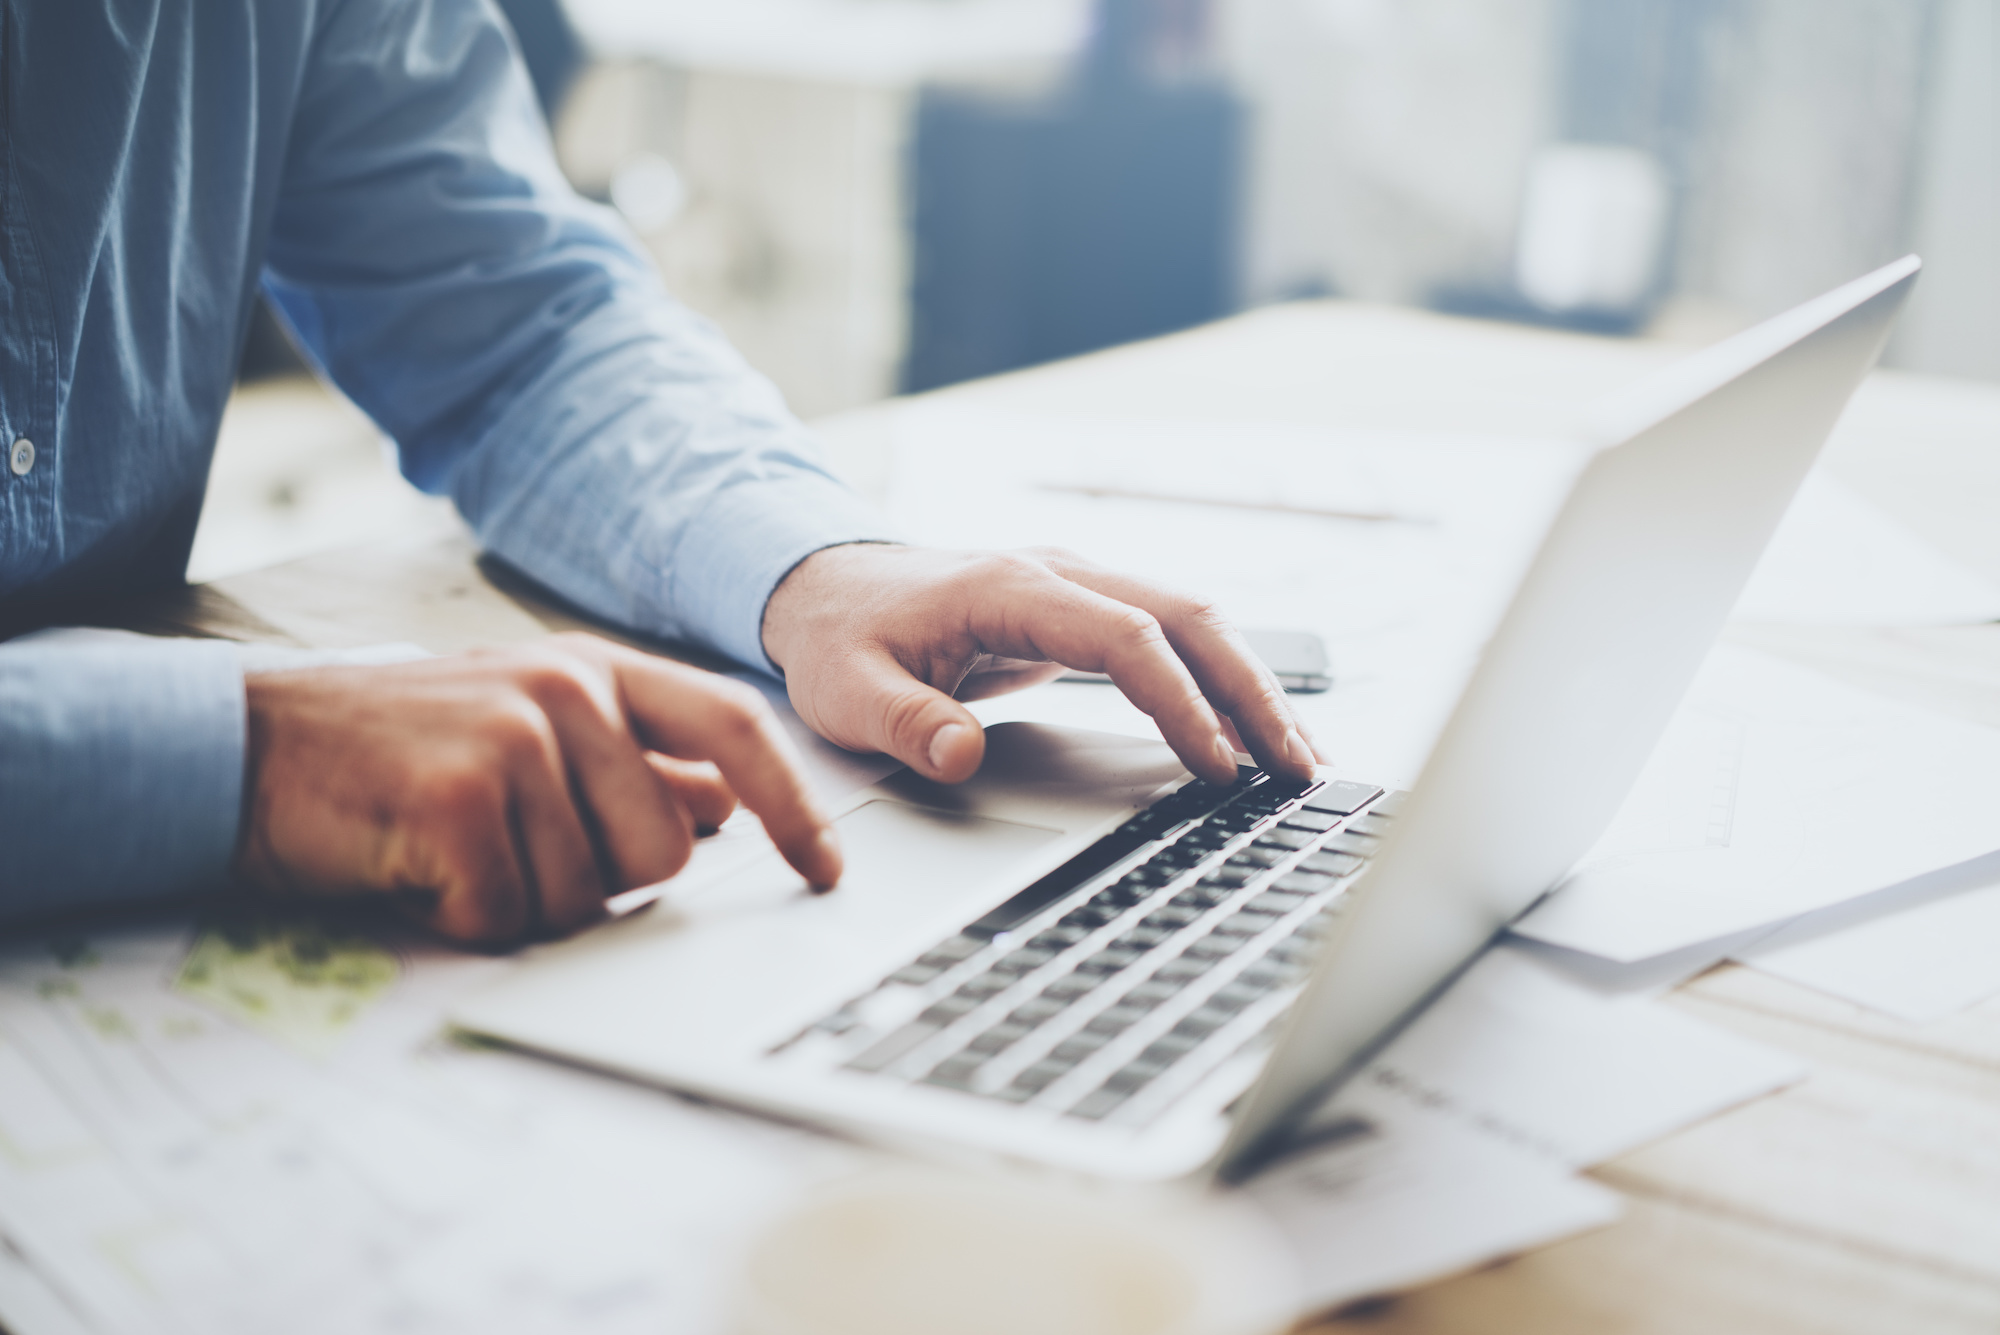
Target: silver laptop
[(1085, 958)]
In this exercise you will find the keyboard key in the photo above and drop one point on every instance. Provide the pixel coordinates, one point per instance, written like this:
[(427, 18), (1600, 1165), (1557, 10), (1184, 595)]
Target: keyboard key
[(1183, 967), (1000, 1037), (1226, 877), (1236, 995), (1042, 1074), (1172, 859), (1281, 900), (1341, 797), (1255, 858), (1072, 985), (1305, 818), (1057, 939), (1370, 824), (1135, 1075), (1360, 845), (949, 952), (1305, 882), (1089, 917), (1209, 836), (942, 1012), (1152, 992), (1173, 917), (1247, 922), (1202, 1023), (1116, 1020), (1100, 1104), (1170, 1047), (1146, 935), (1025, 960), (1111, 959), (1264, 975), (981, 986), (1331, 864), (914, 975), (1389, 804), (887, 1050), (1037, 1009), (1202, 896), (1078, 1046), (1282, 838), (1213, 946), (955, 1072)]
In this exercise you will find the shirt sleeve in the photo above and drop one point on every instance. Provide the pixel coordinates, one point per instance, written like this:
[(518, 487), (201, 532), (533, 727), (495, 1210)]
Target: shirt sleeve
[(121, 768), (519, 349)]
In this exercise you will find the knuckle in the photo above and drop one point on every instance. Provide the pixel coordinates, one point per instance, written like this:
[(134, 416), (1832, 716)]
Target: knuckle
[(1136, 625)]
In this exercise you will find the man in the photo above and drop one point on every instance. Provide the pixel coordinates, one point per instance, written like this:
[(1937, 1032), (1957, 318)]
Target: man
[(380, 167)]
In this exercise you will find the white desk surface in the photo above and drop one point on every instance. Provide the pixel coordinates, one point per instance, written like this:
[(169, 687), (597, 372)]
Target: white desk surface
[(1866, 1199)]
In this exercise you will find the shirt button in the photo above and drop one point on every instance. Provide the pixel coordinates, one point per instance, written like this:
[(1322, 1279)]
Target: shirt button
[(22, 457)]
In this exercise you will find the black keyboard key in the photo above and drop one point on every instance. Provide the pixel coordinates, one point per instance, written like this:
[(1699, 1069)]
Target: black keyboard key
[(1072, 985), (1025, 960), (1256, 857), (1078, 1046), (1330, 864), (1041, 1075), (949, 952), (1245, 923), (1151, 993), (1305, 882), (944, 1011), (1208, 836), (887, 1050), (1305, 818), (1173, 917), (1213, 946), (999, 1038), (1116, 1020), (1226, 877), (1183, 967), (955, 1072), (1282, 838), (1037, 1009), (1100, 1104), (1201, 896), (1057, 939), (1341, 797), (1145, 936), (1089, 917), (1154, 872)]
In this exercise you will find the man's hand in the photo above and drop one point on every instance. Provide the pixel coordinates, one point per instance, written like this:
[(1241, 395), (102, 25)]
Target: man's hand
[(878, 644), (506, 793)]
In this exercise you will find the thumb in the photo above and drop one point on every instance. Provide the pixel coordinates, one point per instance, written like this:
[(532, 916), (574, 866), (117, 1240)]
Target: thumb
[(883, 708)]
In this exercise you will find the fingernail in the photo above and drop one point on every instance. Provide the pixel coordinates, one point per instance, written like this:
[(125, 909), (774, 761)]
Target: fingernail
[(942, 742), (827, 846), (1296, 748), (1224, 751)]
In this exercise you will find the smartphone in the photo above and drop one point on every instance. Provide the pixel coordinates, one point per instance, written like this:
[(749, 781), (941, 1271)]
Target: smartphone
[(1298, 657)]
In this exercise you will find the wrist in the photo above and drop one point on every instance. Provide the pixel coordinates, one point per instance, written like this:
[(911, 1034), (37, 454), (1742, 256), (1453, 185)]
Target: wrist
[(809, 592)]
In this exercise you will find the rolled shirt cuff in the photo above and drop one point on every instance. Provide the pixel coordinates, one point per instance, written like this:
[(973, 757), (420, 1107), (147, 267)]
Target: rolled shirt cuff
[(121, 768)]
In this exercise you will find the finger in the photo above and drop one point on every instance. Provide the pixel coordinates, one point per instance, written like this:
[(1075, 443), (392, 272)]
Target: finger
[(698, 786), (998, 676), (458, 866), (1042, 615), (877, 705), (566, 879), (1228, 672), (637, 822), (698, 715)]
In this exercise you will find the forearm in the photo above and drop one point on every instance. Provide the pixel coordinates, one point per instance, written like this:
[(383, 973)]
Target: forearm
[(121, 768)]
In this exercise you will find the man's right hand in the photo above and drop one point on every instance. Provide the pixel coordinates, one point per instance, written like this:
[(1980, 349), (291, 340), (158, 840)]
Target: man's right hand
[(509, 792)]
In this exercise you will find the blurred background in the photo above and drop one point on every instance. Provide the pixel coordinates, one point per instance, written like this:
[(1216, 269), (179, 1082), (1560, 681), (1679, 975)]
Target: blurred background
[(881, 196)]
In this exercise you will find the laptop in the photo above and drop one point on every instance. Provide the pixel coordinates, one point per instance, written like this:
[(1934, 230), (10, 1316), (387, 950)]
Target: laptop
[(1085, 958)]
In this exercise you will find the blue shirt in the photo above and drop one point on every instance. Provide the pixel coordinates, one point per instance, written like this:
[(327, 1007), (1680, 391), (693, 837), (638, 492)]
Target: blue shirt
[(380, 167)]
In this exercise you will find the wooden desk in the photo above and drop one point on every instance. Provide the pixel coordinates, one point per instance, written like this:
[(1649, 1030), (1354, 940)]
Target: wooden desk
[(1865, 1200)]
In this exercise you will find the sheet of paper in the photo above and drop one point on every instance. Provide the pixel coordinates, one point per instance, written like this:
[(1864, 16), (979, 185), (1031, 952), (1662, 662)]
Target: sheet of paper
[(1837, 559), (1407, 1195), (1920, 951), (1776, 791), (1543, 1062)]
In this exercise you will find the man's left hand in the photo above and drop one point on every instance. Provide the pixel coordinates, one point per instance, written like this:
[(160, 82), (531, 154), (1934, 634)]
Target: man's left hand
[(880, 643)]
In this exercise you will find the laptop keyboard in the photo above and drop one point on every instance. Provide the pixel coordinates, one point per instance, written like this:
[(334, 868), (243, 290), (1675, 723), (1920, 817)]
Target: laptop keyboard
[(1143, 963)]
